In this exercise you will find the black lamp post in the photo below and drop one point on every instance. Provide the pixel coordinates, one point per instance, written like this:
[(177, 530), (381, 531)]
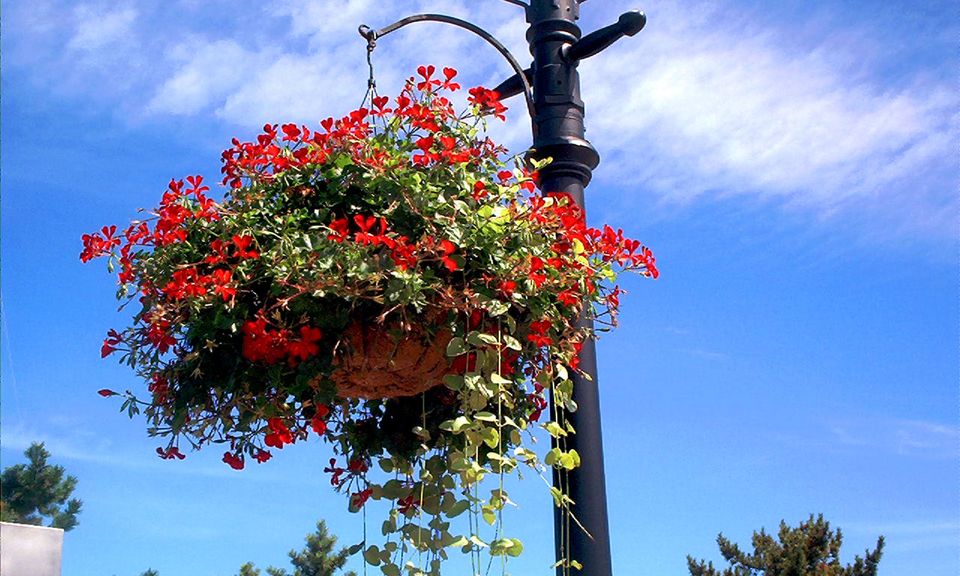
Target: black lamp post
[(558, 133)]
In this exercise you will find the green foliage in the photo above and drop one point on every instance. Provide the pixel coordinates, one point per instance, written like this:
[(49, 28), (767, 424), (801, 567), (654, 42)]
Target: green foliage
[(150, 572), (37, 491), (812, 549), (317, 558)]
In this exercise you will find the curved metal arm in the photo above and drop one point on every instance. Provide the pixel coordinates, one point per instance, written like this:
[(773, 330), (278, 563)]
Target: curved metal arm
[(372, 35)]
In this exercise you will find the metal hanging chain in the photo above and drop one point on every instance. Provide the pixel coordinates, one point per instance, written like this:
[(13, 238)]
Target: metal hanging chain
[(371, 92)]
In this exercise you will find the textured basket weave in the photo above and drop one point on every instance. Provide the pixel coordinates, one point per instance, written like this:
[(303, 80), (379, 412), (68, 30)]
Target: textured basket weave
[(377, 364)]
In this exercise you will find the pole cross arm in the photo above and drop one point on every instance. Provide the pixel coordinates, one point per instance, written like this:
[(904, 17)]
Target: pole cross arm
[(628, 24), (513, 85)]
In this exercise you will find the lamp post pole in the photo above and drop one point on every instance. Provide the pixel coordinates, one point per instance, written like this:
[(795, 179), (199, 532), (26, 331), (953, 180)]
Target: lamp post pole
[(557, 48)]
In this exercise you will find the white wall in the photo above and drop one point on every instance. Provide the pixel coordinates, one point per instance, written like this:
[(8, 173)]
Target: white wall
[(30, 550)]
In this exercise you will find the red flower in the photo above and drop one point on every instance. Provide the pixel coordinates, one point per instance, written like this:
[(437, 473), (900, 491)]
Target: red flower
[(234, 460), (306, 346), (538, 401), (427, 84), (358, 499), (262, 456), (488, 101), (613, 298), (106, 393), (340, 227), (318, 422), (279, 434), (222, 286), (242, 243), (170, 453), (538, 277), (290, 132), (158, 334), (261, 344), (403, 254), (449, 74), (110, 343), (335, 471), (379, 103), (447, 248), (464, 363), (95, 245), (569, 298), (479, 190), (407, 504), (538, 333), (365, 224)]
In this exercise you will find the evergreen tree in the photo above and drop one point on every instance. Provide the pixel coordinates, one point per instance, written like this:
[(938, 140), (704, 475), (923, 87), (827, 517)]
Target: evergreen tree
[(316, 559), (812, 549), (33, 492)]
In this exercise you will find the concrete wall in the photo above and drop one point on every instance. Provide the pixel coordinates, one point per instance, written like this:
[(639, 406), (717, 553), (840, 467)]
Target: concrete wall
[(30, 550)]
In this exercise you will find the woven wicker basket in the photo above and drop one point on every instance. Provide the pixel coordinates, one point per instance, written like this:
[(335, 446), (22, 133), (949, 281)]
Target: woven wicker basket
[(377, 364)]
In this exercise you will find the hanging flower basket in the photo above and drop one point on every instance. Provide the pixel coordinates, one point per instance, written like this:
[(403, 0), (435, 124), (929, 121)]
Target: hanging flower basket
[(389, 282)]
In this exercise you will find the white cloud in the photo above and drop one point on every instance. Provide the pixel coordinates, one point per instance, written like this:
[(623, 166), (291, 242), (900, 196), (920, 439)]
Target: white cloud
[(205, 74), (720, 107), (97, 28)]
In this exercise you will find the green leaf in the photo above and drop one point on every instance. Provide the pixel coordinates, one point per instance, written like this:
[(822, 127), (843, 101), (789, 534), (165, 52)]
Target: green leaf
[(481, 339), (489, 515), (476, 540), (554, 429), (453, 382), (459, 423), (372, 555), (458, 508), (501, 547), (511, 342), (456, 347), (515, 550), (552, 456), (485, 417), (497, 308), (490, 437)]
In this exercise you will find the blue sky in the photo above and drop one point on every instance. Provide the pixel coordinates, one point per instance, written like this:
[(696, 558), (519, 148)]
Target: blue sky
[(792, 164)]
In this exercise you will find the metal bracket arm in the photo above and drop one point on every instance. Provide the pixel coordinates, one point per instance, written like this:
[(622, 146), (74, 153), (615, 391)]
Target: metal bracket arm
[(628, 24)]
